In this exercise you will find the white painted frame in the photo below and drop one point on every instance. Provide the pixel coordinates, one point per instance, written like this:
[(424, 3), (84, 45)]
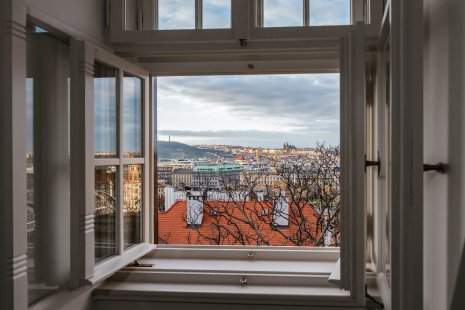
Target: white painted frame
[(353, 101), (352, 69), (382, 193), (246, 23), (406, 24), (13, 246), (110, 265)]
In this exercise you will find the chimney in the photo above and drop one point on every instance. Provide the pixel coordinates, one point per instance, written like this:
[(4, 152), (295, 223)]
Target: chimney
[(194, 209), (281, 211)]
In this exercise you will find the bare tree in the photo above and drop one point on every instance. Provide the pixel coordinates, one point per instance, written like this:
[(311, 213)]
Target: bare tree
[(295, 203)]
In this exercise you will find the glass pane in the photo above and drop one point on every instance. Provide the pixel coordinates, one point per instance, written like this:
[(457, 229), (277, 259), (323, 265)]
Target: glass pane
[(176, 14), (283, 13), (329, 12), (105, 111), (216, 14), (105, 211), (48, 167), (132, 204), (132, 116)]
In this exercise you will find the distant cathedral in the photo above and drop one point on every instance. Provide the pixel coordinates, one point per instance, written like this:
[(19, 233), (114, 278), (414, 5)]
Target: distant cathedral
[(287, 146)]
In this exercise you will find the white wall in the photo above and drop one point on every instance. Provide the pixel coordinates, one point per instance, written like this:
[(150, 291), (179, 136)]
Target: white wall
[(444, 141), (85, 16)]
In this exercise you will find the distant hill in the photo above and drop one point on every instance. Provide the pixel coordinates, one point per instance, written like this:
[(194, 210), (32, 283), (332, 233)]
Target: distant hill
[(176, 150)]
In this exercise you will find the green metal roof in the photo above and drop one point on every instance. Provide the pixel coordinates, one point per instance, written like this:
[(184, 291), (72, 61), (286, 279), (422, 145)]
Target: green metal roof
[(217, 168)]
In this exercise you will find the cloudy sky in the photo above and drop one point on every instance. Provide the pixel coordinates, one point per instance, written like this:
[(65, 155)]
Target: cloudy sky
[(180, 14), (251, 110)]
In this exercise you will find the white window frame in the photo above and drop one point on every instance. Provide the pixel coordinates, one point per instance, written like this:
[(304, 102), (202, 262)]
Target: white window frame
[(83, 57), (352, 266), (246, 23)]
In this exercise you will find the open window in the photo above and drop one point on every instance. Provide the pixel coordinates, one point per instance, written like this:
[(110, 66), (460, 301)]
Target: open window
[(311, 274), (111, 113)]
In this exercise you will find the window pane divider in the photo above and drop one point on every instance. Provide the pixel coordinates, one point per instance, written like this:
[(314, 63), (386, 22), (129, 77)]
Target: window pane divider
[(106, 162), (132, 161), (119, 212), (198, 14), (155, 14), (306, 15)]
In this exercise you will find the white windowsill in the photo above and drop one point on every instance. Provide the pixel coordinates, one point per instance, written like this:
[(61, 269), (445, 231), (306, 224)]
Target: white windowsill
[(282, 274)]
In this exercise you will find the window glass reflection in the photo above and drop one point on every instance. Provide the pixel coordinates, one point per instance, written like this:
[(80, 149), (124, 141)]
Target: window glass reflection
[(105, 111), (105, 211), (176, 14), (216, 14), (132, 204), (132, 116)]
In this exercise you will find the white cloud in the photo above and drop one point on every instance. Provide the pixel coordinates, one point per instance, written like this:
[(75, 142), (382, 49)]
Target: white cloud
[(299, 106)]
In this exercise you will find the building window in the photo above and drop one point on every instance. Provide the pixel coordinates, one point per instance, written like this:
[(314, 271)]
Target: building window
[(119, 132), (192, 14), (292, 13)]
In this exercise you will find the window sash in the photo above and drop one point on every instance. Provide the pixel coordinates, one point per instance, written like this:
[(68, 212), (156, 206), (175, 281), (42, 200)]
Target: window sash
[(246, 23), (121, 161), (83, 57)]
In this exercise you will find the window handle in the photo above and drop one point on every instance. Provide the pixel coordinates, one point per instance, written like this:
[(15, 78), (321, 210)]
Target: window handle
[(439, 167), (369, 163)]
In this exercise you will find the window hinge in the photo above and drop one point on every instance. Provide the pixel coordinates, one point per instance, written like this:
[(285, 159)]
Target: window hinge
[(139, 264), (439, 167), (369, 163)]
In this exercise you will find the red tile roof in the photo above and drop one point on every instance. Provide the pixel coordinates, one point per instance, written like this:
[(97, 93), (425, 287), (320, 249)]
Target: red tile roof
[(240, 223)]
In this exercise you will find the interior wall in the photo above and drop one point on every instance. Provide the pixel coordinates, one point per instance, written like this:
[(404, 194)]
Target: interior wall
[(84, 16), (444, 136)]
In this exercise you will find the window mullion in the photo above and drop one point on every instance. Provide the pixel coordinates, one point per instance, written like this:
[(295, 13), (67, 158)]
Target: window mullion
[(119, 211), (259, 13), (198, 14), (155, 14), (306, 13)]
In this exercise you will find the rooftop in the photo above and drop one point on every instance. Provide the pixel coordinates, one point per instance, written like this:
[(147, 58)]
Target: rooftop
[(217, 168), (240, 226)]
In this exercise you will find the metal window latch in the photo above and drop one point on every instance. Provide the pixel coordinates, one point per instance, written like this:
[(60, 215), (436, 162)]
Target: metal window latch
[(369, 163), (243, 42), (139, 264), (439, 167), (250, 255), (243, 280)]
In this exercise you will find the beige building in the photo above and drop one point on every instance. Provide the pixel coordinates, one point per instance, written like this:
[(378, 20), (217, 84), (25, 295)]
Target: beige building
[(181, 177)]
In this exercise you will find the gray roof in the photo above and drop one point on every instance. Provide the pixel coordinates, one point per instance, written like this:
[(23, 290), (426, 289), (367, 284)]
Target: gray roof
[(182, 171)]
